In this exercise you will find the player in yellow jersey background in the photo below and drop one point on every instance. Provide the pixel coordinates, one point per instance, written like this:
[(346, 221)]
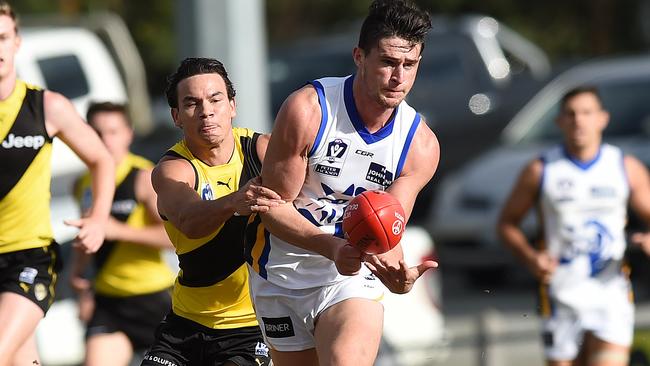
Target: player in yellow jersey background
[(129, 294)]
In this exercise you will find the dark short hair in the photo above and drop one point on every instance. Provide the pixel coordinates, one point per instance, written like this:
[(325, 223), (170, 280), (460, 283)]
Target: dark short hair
[(6, 9), (583, 89), (99, 107), (394, 18), (195, 66)]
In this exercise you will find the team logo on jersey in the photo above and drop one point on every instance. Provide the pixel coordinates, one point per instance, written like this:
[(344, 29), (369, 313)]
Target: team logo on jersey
[(28, 275), (334, 158), (379, 174), (206, 192)]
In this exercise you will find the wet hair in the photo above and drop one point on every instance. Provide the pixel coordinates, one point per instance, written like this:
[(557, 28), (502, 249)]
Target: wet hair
[(99, 107), (195, 66), (584, 89), (6, 9), (394, 18)]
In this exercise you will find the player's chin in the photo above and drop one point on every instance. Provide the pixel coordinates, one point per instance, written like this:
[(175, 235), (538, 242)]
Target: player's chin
[(389, 101)]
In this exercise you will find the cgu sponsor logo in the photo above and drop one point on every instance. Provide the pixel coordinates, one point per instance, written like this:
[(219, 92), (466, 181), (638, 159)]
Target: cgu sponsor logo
[(19, 142)]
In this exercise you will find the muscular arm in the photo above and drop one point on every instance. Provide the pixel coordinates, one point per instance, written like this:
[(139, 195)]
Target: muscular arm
[(521, 200), (173, 181), (284, 172), (63, 121), (151, 235)]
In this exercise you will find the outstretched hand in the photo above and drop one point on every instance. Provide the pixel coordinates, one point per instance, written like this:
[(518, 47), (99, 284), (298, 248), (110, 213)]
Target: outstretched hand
[(253, 197), (400, 279), (91, 233)]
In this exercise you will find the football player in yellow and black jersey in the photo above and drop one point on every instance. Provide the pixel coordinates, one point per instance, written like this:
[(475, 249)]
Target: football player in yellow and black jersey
[(207, 188), (30, 118), (130, 292)]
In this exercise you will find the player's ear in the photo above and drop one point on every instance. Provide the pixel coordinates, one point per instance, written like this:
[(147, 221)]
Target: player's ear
[(174, 113), (358, 55), (233, 108)]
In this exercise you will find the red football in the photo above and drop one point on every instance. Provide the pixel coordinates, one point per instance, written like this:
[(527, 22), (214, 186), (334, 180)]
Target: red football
[(374, 222)]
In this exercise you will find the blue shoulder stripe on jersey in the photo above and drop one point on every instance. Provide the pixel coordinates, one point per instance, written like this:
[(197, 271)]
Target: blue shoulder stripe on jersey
[(351, 108), (584, 165), (320, 90), (407, 144)]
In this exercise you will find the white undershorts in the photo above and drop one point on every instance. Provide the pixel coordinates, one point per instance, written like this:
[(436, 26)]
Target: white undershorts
[(287, 316), (608, 315)]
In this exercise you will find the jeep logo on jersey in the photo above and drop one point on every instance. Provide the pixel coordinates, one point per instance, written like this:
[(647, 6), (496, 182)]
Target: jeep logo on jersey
[(206, 193), (336, 150), (19, 142), (379, 174)]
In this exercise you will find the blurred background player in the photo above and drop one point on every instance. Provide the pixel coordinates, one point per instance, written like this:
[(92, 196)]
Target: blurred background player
[(129, 295), (582, 189), (29, 258), (333, 139), (207, 188)]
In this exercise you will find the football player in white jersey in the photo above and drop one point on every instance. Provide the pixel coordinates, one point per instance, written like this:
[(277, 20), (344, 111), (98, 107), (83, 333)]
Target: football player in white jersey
[(316, 298), (582, 189)]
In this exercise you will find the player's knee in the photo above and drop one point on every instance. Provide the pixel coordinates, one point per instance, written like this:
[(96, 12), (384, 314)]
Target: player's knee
[(609, 357)]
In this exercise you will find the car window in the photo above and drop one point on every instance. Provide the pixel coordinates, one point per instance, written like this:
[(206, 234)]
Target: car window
[(64, 74), (627, 101)]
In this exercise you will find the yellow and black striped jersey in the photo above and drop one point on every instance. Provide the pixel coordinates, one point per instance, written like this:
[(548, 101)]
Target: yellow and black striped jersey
[(25, 173), (212, 286)]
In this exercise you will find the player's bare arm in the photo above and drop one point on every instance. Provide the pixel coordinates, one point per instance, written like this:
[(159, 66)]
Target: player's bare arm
[(521, 200), (151, 235), (173, 180), (62, 121), (284, 170), (390, 267), (639, 179)]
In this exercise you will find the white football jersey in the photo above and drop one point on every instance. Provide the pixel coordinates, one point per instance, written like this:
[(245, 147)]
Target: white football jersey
[(584, 210), (344, 161)]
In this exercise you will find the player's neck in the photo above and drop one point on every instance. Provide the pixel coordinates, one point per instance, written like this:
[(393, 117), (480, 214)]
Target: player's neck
[(583, 153), (373, 114), (7, 85), (216, 154)]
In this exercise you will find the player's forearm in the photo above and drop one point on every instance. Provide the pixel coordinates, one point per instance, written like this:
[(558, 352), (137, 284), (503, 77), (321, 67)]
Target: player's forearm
[(103, 186), (151, 236), (515, 240), (286, 223), (204, 217)]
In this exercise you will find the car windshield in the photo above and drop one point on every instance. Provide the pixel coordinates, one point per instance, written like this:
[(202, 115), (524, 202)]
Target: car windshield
[(627, 102)]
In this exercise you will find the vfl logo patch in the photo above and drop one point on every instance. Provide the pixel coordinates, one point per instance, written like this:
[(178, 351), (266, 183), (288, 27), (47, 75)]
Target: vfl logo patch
[(336, 150), (206, 193), (379, 174), (261, 349), (334, 158), (278, 327)]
